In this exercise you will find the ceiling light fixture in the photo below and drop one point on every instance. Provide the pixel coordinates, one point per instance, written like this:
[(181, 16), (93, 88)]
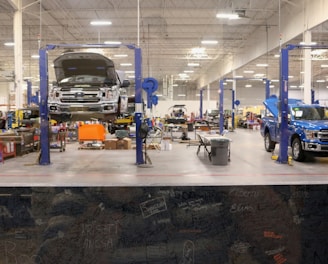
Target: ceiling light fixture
[(100, 23), (311, 43), (126, 64), (209, 42), (262, 65), (230, 16), (35, 56), (9, 44), (193, 64), (120, 55), (247, 71), (113, 42)]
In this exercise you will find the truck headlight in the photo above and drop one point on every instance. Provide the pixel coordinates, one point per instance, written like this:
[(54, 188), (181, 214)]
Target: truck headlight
[(311, 134)]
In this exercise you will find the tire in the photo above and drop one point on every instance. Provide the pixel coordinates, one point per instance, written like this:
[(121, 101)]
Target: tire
[(298, 153), (268, 143)]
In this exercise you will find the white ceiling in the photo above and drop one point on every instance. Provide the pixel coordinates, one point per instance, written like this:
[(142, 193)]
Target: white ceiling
[(168, 31)]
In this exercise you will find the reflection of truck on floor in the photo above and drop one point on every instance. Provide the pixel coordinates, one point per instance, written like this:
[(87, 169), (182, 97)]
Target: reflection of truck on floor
[(307, 128)]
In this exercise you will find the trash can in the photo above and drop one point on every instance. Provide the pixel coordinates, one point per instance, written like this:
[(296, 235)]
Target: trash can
[(190, 127), (220, 151)]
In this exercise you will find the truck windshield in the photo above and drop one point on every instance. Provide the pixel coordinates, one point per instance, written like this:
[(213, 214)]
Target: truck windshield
[(310, 113)]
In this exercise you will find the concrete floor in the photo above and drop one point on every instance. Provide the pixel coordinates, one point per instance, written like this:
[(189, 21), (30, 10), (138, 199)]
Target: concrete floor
[(250, 165)]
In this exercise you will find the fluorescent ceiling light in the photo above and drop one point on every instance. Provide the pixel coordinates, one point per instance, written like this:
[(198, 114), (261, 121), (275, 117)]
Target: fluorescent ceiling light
[(9, 44), (230, 16), (324, 66), (277, 55), (271, 86), (198, 50), (181, 95), (321, 81), (129, 72), (126, 64), (120, 55), (311, 43), (35, 56), (131, 76), (188, 71), (209, 42), (100, 23), (239, 76), (262, 65), (193, 64), (248, 71), (159, 95), (175, 85), (259, 75), (113, 42), (248, 85), (274, 80), (290, 76)]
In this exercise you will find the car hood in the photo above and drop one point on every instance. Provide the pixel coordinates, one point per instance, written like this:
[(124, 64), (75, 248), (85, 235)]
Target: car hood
[(84, 63), (312, 124), (272, 104)]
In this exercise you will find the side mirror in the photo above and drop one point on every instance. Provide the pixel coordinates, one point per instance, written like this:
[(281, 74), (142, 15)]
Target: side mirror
[(126, 83)]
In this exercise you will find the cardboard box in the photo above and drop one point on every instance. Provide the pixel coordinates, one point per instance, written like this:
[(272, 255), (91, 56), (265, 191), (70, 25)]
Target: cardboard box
[(127, 143), (111, 143), (124, 143), (120, 144)]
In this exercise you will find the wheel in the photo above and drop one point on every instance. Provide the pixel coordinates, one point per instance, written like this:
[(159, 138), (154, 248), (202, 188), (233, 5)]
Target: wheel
[(298, 153), (268, 143)]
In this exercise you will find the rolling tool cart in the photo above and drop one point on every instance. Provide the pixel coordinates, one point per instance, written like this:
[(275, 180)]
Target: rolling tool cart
[(91, 136)]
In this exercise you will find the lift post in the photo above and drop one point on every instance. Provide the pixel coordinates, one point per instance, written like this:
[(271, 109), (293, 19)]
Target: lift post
[(44, 82), (234, 102), (283, 111)]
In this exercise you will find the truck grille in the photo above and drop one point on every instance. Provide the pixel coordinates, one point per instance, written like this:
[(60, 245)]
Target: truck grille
[(323, 135), (83, 89), (81, 95), (80, 100)]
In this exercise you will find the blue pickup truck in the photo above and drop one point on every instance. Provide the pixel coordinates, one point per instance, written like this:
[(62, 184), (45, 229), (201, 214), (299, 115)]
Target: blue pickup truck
[(307, 128)]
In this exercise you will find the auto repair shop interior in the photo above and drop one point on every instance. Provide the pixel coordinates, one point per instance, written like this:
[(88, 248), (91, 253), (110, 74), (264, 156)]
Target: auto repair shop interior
[(163, 131)]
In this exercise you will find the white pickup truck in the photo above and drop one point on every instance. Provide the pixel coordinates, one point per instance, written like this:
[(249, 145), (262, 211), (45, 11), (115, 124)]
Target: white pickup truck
[(87, 87)]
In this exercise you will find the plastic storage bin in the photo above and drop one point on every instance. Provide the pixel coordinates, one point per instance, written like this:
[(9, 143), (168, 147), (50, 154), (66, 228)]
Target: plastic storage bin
[(220, 151)]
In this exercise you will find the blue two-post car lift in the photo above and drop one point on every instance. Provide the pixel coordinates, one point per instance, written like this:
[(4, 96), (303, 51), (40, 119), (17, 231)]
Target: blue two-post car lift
[(283, 111), (221, 93), (44, 80)]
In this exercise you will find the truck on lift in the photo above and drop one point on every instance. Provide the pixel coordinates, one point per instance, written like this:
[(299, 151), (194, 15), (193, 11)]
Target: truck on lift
[(307, 128), (87, 87)]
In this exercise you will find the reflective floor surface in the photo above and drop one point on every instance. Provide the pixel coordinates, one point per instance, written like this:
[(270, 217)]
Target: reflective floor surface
[(250, 165)]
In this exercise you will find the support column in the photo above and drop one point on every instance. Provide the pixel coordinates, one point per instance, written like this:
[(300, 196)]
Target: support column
[(307, 68), (221, 110), (283, 111), (138, 116), (18, 36)]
